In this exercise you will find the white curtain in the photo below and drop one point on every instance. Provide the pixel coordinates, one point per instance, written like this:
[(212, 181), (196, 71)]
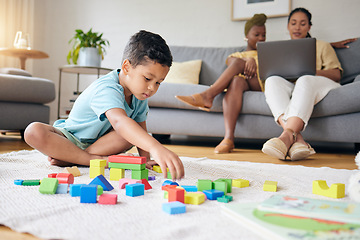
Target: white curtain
[(15, 15)]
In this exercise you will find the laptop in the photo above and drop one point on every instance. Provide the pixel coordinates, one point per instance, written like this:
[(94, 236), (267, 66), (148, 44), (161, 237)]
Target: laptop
[(289, 59)]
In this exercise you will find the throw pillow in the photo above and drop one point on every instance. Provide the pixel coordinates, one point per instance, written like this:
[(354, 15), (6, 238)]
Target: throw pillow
[(184, 72), (15, 71)]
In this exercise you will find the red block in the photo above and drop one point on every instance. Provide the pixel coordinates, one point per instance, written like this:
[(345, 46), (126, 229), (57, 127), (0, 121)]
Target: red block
[(146, 183), (176, 194), (65, 178), (107, 199), (52, 175), (166, 187), (127, 159)]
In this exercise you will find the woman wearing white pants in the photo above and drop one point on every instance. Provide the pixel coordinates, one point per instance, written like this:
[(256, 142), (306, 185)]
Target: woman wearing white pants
[(292, 103)]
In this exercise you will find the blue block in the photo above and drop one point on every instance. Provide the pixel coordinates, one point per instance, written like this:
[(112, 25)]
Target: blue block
[(75, 190), (189, 188), (134, 190), (101, 180), (151, 178), (169, 182), (213, 194), (62, 188), (174, 207), (88, 194), (18, 181)]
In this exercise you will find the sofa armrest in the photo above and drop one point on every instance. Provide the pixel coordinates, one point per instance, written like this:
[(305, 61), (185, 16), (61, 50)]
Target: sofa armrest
[(357, 79)]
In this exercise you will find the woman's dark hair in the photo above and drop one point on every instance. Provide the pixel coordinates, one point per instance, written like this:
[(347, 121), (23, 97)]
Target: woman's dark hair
[(307, 13), (147, 46)]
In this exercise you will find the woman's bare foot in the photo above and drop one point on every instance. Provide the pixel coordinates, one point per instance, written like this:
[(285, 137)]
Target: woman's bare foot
[(59, 163)]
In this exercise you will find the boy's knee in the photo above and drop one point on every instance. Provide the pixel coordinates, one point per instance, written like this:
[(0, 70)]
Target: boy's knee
[(33, 132)]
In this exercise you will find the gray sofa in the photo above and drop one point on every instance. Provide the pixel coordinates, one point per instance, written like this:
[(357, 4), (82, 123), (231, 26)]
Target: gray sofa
[(335, 119), (23, 99)]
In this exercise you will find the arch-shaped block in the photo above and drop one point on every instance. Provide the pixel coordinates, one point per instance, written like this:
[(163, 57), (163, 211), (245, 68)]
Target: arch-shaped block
[(336, 190)]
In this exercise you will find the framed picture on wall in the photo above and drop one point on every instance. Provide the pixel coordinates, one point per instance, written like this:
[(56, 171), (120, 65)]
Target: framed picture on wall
[(245, 9)]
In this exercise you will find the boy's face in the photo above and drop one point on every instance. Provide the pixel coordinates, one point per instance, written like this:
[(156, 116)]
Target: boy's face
[(144, 80)]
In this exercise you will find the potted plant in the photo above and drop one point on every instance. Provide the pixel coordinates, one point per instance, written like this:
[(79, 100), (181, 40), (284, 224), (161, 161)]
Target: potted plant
[(88, 49)]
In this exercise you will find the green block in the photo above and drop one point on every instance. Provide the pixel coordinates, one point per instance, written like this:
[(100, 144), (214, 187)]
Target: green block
[(127, 166), (225, 199), (141, 174), (31, 182), (229, 184), (204, 184), (169, 175), (100, 190), (49, 185), (220, 185)]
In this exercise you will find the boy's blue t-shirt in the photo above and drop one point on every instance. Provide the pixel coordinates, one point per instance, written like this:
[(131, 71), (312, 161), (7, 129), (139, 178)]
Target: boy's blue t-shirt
[(87, 120)]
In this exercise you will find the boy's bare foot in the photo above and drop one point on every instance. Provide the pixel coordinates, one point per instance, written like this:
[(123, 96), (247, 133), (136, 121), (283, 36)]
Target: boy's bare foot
[(59, 163)]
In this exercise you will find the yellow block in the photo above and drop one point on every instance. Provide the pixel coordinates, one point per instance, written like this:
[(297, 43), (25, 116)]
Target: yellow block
[(73, 170), (194, 198), (97, 163), (96, 171), (270, 186), (336, 190), (116, 174), (240, 183), (157, 168)]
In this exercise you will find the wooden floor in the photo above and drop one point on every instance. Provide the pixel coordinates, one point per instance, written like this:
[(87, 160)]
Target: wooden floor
[(339, 156)]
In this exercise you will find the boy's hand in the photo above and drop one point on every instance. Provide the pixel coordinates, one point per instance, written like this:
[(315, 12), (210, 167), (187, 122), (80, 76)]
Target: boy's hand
[(167, 159)]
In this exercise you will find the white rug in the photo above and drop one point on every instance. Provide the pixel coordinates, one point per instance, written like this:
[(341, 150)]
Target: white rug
[(61, 216)]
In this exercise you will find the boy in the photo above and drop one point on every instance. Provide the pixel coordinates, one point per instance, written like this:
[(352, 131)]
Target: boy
[(109, 116)]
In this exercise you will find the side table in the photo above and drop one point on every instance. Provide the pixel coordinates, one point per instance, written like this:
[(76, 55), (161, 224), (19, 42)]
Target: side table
[(23, 54), (79, 70)]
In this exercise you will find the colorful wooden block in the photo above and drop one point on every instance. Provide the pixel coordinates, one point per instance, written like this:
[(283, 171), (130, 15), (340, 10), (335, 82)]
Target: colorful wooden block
[(220, 185), (151, 178), (140, 174), (127, 159), (88, 194), (127, 166), (225, 199), (75, 190), (228, 181), (65, 178), (134, 190), (156, 168), (204, 184), (52, 175), (176, 194), (189, 188), (165, 187), (34, 182), (98, 163), (96, 171), (73, 170), (240, 183), (336, 190), (18, 181), (62, 188), (100, 190), (109, 199), (48, 185), (169, 182), (194, 198), (116, 174), (146, 184), (270, 186), (101, 180), (174, 207), (124, 181), (213, 194)]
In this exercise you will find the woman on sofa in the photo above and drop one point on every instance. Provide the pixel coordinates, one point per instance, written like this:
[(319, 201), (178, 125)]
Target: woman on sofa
[(292, 103), (239, 76)]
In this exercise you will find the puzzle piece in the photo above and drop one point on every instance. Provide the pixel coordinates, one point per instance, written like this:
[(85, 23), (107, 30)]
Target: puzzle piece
[(336, 190)]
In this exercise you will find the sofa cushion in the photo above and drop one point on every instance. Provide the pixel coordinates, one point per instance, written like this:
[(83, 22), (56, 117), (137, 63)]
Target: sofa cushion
[(213, 60), (26, 89), (349, 59), (15, 71), (184, 72)]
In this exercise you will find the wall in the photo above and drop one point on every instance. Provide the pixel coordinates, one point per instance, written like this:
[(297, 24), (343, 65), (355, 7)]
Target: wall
[(185, 22)]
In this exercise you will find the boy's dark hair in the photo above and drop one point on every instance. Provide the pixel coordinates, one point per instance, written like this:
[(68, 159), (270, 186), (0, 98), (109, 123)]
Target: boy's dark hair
[(146, 46)]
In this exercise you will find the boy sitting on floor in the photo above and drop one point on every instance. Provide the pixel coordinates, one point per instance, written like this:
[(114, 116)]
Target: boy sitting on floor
[(109, 116)]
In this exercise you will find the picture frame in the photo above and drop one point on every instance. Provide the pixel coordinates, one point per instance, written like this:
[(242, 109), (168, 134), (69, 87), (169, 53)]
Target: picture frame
[(244, 9)]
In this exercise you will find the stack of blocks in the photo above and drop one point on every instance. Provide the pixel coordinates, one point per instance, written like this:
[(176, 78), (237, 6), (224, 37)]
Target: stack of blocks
[(97, 167)]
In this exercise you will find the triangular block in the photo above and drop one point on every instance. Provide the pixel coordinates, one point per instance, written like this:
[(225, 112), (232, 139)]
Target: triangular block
[(101, 180)]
